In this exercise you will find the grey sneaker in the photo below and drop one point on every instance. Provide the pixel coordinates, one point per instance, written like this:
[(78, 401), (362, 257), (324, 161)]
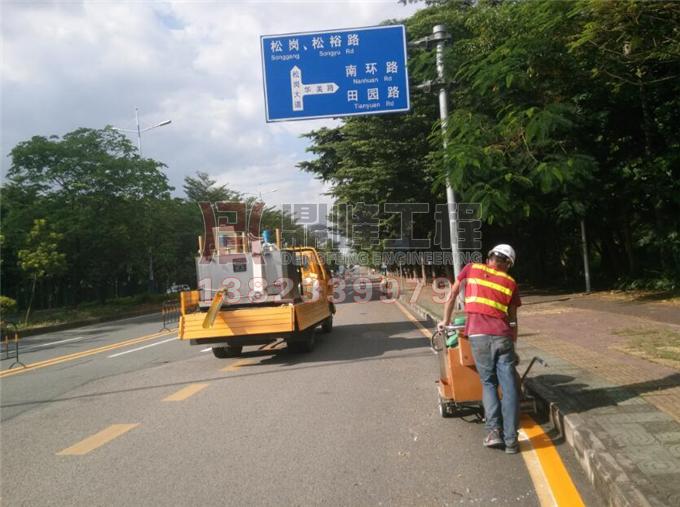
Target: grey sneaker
[(512, 448), (493, 439)]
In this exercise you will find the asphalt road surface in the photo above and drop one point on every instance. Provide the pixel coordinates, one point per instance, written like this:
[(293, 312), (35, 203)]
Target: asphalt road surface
[(119, 414)]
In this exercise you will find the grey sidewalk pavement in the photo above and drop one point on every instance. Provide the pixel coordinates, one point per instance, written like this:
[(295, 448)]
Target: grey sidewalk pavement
[(619, 413)]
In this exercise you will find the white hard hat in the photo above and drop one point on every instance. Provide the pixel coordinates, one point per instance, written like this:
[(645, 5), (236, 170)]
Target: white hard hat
[(506, 251)]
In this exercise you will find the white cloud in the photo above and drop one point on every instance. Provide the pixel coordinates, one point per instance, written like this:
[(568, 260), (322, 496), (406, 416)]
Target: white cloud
[(67, 65)]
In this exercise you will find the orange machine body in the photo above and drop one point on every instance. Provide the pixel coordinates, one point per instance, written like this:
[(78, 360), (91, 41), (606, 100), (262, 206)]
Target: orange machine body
[(458, 378)]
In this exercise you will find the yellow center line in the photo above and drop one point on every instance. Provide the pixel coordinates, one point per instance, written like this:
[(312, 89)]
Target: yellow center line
[(97, 440), (562, 487), (185, 392), (78, 355)]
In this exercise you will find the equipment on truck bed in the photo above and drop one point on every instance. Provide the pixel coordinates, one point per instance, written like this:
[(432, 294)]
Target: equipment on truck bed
[(252, 292)]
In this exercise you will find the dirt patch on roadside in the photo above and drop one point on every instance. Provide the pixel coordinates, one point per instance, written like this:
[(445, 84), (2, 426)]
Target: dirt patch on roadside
[(641, 296), (550, 309), (652, 343)]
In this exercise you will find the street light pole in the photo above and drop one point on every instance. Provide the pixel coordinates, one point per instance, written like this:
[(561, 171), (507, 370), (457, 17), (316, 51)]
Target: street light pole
[(139, 130), (439, 34), (259, 194)]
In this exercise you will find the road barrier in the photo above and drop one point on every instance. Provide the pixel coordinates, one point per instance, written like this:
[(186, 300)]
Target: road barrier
[(6, 333), (170, 312)]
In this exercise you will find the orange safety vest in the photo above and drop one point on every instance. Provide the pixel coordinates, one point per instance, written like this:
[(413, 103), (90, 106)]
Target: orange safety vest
[(488, 291)]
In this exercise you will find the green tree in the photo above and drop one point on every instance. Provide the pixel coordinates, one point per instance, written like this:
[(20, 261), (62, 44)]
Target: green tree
[(203, 188), (560, 112), (100, 195), (41, 258)]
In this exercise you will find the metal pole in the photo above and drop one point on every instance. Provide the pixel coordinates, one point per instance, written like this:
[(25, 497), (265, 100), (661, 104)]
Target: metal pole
[(584, 245), (139, 132), (440, 36)]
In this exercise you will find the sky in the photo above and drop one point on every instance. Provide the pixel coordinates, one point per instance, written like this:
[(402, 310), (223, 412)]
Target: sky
[(71, 64)]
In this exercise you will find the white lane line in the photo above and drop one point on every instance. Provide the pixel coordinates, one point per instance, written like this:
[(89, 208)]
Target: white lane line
[(141, 348), (207, 350), (33, 347)]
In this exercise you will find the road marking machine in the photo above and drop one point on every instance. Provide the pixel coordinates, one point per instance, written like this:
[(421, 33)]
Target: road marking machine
[(459, 388)]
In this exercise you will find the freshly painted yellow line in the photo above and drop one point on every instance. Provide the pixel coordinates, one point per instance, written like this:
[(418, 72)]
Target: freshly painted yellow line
[(91, 443), (185, 392), (561, 485), (78, 355), (426, 332), (540, 481)]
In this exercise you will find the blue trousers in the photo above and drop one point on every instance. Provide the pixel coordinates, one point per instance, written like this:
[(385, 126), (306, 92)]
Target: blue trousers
[(495, 360)]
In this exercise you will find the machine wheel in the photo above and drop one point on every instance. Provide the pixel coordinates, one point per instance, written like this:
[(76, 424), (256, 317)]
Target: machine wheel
[(228, 351), (446, 409), (220, 352), (327, 324), (304, 341)]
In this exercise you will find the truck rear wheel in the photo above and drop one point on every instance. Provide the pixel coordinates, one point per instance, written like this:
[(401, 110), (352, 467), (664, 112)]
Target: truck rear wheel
[(303, 341), (327, 324), (228, 351)]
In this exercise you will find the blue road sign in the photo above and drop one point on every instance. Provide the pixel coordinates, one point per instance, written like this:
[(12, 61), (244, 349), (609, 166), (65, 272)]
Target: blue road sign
[(335, 73)]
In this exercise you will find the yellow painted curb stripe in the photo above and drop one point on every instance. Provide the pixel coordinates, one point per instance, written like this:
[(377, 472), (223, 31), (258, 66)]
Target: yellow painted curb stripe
[(538, 478), (490, 285), (78, 355), (91, 443), (426, 332), (488, 302), (185, 392), (563, 489)]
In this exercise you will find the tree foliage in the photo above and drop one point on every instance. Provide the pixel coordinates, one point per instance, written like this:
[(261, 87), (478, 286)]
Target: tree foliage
[(40, 258), (204, 188), (85, 218), (560, 111)]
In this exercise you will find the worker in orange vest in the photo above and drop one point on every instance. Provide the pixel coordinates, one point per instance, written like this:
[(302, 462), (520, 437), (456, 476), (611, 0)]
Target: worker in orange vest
[(491, 301)]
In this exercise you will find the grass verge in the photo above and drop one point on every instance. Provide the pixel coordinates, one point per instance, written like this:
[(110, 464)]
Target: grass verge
[(90, 312)]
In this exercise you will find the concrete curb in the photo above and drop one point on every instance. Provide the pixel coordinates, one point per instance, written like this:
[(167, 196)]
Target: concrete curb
[(601, 468), (610, 481)]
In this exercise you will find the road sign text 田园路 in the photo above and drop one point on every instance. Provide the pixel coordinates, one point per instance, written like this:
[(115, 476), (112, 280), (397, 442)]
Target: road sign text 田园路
[(335, 73)]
